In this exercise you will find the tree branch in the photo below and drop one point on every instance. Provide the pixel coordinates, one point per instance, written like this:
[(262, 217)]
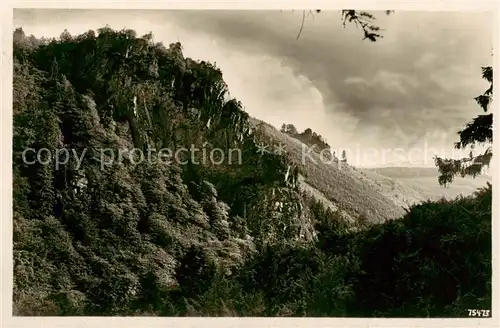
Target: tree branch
[(302, 25)]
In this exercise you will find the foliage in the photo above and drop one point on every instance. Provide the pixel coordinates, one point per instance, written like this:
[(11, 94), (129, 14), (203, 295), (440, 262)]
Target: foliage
[(289, 128), (126, 225), (435, 261), (361, 19), (478, 131), (307, 136), (344, 156)]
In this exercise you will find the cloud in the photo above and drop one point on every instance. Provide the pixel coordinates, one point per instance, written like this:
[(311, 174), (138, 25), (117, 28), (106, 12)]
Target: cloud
[(415, 85), (425, 60)]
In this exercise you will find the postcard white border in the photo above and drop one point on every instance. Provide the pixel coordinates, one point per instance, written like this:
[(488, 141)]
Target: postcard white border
[(6, 169)]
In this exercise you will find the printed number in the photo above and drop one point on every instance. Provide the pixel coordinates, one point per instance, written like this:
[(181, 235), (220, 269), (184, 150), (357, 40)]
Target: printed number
[(478, 313)]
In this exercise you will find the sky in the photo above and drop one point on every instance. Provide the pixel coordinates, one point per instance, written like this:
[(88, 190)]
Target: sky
[(401, 99)]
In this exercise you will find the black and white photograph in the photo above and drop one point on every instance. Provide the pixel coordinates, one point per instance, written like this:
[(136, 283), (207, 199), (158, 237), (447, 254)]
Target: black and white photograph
[(318, 163)]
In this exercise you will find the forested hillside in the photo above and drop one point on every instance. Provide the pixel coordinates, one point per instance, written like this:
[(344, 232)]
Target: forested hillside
[(102, 234)]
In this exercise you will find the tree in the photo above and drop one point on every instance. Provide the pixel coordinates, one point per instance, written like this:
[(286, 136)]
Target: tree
[(308, 132), (344, 156), (478, 131), (19, 35), (290, 128), (65, 36), (283, 128), (195, 271)]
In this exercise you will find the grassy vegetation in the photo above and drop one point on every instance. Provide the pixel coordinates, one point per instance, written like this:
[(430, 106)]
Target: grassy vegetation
[(338, 182)]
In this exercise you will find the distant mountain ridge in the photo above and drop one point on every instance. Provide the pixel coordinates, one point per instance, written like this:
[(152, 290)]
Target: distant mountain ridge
[(424, 180), (401, 171)]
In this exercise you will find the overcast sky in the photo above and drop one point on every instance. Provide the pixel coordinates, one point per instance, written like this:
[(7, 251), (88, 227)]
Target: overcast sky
[(414, 87)]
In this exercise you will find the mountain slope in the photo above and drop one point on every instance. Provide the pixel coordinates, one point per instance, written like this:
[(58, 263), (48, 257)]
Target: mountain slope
[(378, 193), (105, 231), (344, 186)]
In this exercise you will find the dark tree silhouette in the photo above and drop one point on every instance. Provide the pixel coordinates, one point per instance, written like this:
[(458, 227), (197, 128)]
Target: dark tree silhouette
[(478, 131), (361, 19), (290, 128)]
